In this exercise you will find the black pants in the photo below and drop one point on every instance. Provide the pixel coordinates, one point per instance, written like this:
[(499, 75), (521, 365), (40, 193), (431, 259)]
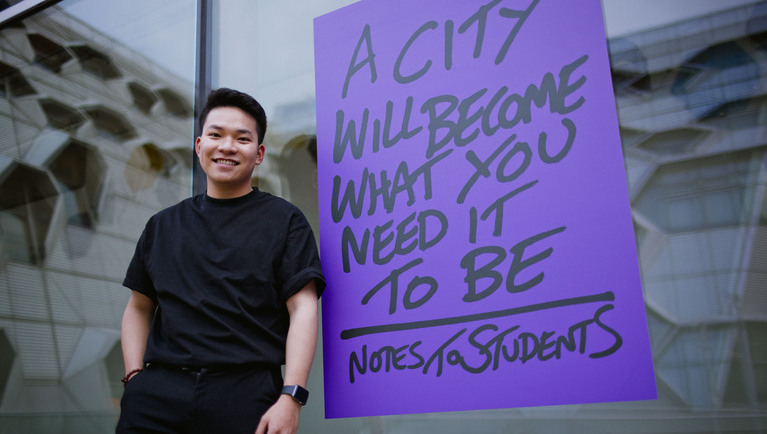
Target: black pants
[(164, 399)]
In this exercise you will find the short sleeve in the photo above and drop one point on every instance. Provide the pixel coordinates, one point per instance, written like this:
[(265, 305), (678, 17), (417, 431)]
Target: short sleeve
[(137, 277), (301, 260)]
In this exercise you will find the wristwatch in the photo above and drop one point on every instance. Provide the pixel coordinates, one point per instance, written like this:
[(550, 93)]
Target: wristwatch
[(298, 393)]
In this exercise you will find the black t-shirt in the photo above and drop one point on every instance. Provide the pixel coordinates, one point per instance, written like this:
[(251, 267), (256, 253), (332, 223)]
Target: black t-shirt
[(221, 271)]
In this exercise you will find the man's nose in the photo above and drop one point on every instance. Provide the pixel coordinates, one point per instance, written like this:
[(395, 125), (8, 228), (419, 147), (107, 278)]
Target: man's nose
[(227, 145)]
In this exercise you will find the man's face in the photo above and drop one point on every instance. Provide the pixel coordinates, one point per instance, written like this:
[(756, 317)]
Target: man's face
[(228, 150)]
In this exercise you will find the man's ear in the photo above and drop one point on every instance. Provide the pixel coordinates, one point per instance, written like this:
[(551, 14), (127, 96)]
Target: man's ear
[(197, 147), (260, 154)]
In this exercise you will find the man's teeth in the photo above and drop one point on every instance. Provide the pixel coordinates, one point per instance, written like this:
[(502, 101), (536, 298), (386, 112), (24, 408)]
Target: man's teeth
[(227, 162)]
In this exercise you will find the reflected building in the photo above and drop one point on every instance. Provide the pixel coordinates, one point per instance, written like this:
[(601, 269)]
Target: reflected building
[(692, 102), (692, 108), (95, 139)]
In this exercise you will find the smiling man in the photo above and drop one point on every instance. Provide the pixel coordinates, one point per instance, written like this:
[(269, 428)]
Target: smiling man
[(225, 288)]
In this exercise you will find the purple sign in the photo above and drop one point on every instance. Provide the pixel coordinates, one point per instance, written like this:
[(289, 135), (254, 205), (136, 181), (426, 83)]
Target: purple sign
[(475, 226)]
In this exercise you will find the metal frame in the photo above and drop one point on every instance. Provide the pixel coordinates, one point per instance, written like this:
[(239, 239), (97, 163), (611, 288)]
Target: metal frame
[(202, 80), (23, 9)]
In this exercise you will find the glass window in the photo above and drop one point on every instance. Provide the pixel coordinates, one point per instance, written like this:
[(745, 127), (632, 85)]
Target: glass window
[(96, 114)]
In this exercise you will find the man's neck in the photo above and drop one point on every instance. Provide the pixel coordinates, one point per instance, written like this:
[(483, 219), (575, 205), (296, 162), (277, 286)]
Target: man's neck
[(216, 192)]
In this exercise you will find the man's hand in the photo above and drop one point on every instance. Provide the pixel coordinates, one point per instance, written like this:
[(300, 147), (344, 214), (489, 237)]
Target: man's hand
[(281, 418)]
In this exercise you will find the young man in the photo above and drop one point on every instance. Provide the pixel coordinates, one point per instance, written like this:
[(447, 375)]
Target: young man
[(225, 288)]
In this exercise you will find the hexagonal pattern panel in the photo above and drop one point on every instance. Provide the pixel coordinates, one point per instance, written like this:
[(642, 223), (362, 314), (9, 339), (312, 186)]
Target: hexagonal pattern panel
[(721, 77), (60, 115), (27, 200), (95, 62), (13, 83), (697, 194), (49, 54), (175, 103), (110, 123), (143, 98)]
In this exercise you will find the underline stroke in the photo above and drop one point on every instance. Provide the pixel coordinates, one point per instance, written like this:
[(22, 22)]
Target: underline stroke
[(385, 328)]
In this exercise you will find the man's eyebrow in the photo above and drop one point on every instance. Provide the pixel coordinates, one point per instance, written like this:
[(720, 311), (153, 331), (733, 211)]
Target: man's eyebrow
[(245, 131), (238, 131)]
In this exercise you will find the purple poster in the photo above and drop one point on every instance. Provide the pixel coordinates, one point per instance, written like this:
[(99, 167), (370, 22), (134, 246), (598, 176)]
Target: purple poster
[(475, 225)]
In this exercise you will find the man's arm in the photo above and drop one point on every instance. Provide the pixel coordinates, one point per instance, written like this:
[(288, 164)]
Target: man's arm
[(282, 417), (136, 321)]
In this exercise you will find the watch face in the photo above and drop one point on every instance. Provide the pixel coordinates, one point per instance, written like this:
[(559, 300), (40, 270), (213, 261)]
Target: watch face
[(298, 393)]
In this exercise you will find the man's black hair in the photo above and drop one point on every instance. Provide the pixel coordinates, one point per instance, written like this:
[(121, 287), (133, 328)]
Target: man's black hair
[(225, 97)]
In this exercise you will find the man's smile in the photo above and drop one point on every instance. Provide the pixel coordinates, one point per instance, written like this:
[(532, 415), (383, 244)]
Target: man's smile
[(226, 162)]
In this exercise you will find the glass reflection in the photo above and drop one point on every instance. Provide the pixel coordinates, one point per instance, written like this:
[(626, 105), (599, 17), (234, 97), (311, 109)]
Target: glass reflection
[(97, 137)]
